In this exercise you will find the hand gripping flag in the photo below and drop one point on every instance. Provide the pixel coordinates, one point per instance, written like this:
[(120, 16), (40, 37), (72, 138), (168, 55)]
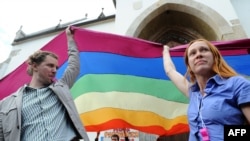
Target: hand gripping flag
[(122, 82)]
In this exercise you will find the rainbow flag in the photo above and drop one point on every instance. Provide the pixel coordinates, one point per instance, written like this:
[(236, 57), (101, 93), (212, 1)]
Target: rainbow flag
[(122, 82)]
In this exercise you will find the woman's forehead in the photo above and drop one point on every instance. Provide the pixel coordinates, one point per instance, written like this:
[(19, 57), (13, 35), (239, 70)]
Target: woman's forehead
[(197, 44)]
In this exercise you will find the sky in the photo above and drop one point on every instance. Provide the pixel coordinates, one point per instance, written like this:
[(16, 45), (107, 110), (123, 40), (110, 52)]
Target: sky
[(35, 15)]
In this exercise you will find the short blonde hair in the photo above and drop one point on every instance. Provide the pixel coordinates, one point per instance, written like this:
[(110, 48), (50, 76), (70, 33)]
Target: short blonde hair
[(37, 58)]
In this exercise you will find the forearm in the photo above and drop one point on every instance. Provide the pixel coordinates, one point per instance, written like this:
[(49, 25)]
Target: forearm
[(177, 78), (246, 111), (73, 67), (167, 61)]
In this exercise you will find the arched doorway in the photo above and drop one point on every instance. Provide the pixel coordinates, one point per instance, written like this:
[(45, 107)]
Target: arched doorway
[(174, 23)]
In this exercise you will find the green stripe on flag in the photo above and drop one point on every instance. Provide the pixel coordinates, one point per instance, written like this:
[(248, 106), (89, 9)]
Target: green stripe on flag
[(126, 83)]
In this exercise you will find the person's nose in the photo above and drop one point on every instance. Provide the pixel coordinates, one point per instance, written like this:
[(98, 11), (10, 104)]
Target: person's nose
[(54, 69), (198, 54)]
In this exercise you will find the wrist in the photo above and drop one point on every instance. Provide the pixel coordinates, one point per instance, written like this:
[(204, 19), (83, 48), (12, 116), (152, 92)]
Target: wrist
[(166, 47)]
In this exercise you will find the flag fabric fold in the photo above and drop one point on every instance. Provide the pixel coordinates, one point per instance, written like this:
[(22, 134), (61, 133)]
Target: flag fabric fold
[(122, 82)]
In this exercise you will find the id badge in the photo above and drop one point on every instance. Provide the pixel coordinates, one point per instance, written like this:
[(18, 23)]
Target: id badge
[(204, 134)]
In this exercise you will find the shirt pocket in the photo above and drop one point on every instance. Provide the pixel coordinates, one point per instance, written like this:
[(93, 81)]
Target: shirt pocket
[(9, 120)]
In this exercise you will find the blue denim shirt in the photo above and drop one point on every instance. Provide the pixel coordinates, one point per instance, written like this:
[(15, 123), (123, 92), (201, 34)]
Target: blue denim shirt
[(220, 106)]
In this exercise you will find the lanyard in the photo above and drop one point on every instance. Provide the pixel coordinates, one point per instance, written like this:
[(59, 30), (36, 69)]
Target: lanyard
[(200, 104)]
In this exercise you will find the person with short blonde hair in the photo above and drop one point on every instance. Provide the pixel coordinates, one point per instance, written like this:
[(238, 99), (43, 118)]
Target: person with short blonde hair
[(43, 109)]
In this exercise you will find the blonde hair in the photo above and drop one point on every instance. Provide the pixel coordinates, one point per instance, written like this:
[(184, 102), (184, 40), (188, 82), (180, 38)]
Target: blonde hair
[(37, 58), (220, 66)]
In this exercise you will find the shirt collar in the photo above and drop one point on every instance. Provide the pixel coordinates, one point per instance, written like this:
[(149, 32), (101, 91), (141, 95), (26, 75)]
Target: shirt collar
[(216, 79), (27, 87)]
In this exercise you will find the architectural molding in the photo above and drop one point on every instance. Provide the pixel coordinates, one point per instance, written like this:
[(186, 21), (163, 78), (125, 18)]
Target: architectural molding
[(188, 15)]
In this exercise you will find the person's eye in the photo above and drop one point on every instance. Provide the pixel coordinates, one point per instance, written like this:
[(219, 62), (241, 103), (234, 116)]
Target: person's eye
[(192, 53), (203, 49)]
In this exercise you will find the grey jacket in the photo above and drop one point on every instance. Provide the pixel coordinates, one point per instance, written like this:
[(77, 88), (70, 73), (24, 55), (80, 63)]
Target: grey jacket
[(10, 107)]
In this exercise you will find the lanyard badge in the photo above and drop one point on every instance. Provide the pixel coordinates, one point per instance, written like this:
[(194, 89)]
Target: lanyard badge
[(204, 134)]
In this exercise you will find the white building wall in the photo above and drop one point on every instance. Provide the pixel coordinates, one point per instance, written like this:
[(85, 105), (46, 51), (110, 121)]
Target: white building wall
[(242, 8), (223, 7), (127, 11), (30, 46)]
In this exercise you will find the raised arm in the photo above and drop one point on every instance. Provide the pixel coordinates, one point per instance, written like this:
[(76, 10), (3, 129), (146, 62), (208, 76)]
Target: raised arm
[(73, 67), (178, 79), (125, 134), (97, 135)]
